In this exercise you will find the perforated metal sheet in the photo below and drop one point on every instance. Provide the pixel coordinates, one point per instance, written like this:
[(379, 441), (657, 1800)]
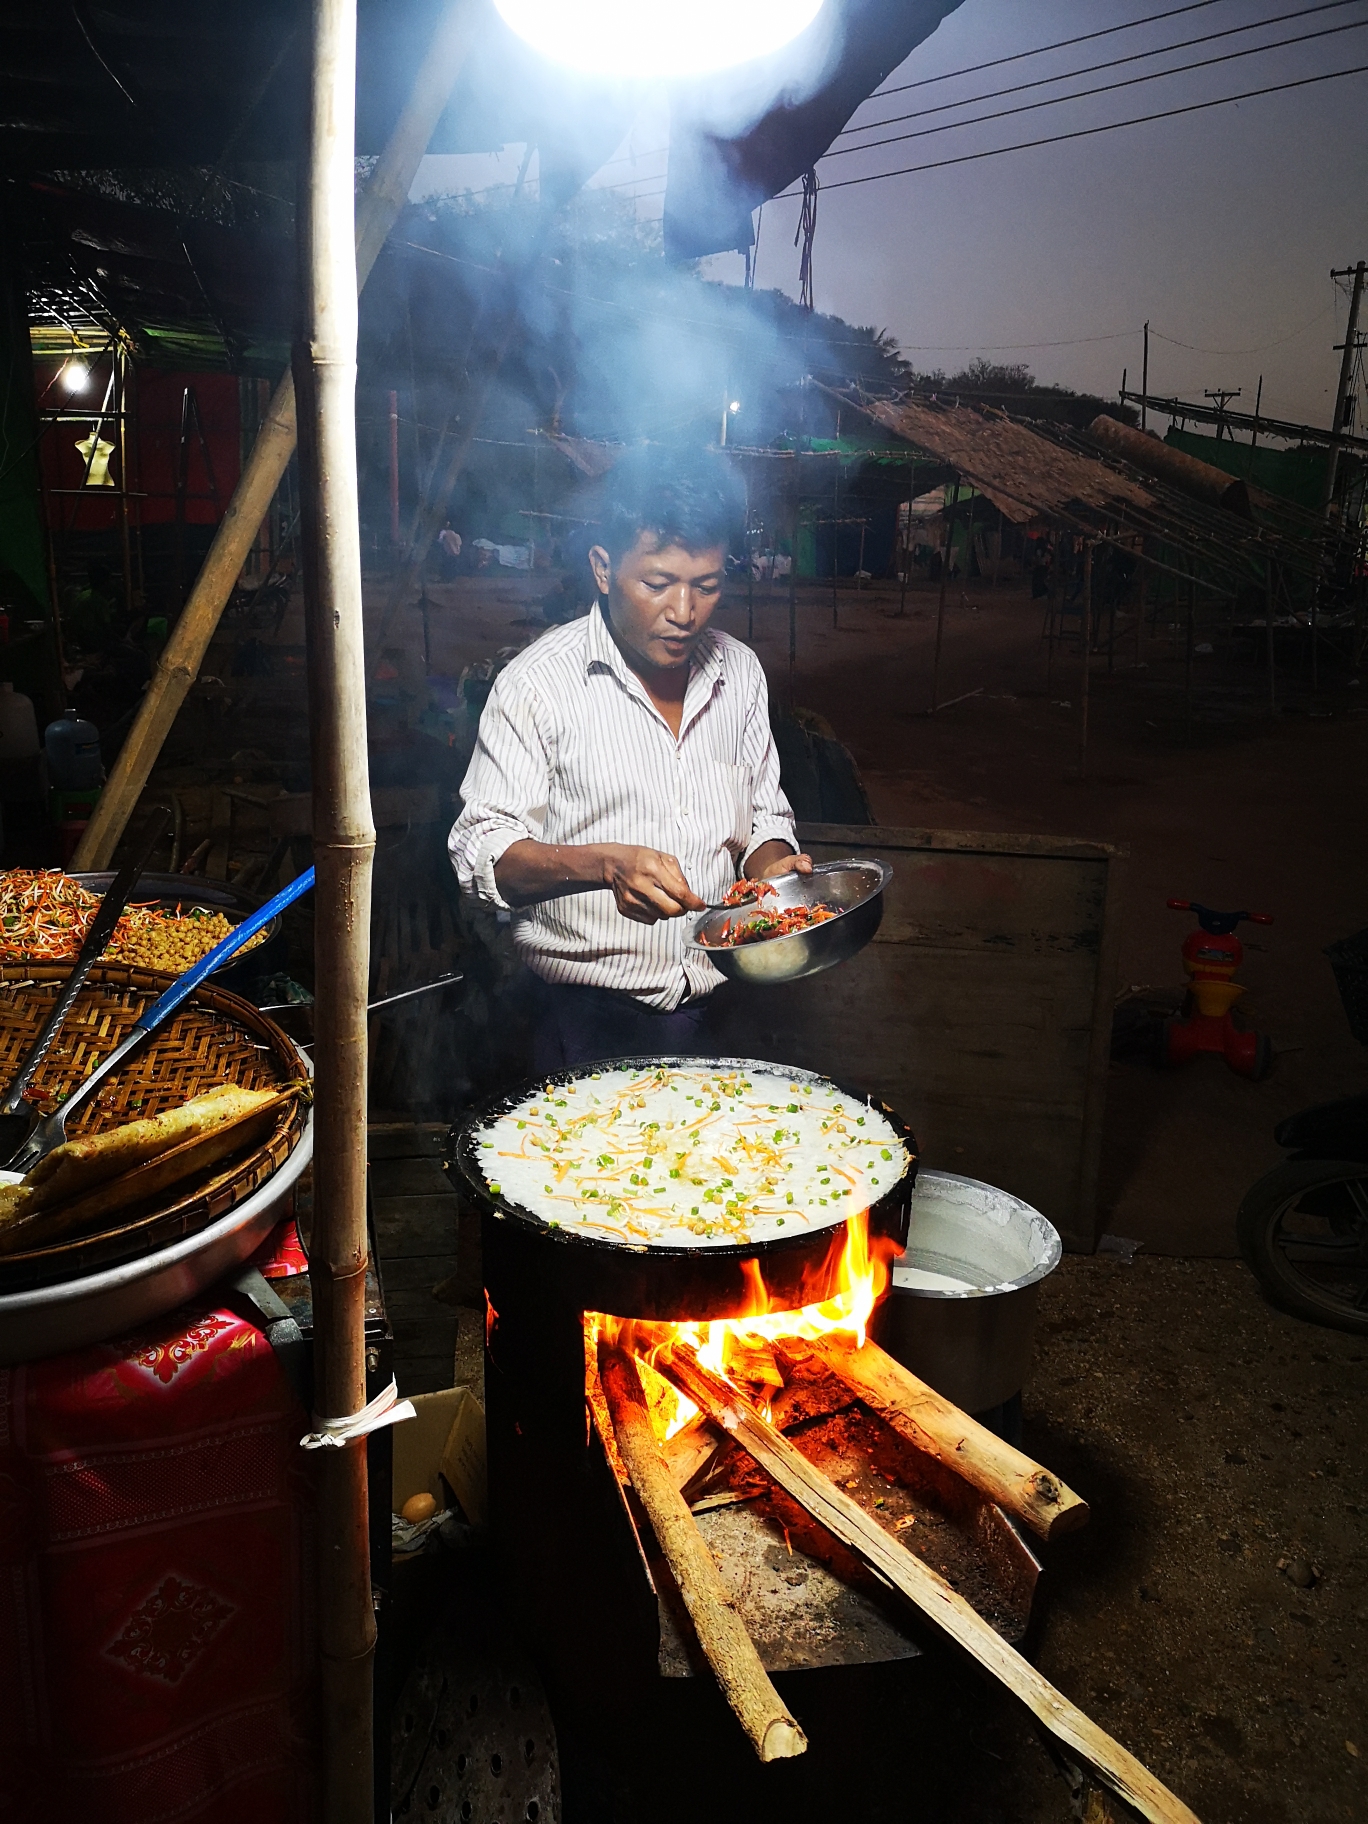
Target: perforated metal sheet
[(472, 1738)]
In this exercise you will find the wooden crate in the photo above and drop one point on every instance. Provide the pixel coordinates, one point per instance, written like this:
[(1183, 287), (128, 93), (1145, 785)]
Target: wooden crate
[(981, 1012)]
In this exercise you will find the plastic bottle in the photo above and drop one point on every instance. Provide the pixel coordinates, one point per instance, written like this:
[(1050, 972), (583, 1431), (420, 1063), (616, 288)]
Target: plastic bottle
[(18, 725), (73, 755)]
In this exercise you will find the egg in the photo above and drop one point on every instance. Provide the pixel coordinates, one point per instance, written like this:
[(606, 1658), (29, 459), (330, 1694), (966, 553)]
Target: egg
[(418, 1508)]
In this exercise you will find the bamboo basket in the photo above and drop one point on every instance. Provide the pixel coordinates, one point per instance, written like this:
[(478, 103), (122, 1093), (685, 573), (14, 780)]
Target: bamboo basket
[(214, 1037)]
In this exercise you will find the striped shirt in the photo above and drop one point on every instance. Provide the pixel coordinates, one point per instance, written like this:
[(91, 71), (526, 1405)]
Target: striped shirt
[(572, 750)]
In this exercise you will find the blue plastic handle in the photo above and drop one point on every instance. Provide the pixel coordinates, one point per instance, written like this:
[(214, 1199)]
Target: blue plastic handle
[(235, 939)]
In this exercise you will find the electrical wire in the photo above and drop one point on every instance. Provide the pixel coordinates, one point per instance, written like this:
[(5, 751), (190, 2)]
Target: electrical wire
[(1110, 126), (1104, 88), (1263, 347), (1061, 44), (1091, 69), (969, 101)]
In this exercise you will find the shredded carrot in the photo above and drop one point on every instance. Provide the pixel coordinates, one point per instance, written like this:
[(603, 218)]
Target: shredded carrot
[(45, 915)]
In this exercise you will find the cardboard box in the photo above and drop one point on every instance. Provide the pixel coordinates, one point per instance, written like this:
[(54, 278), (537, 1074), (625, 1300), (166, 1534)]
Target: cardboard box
[(447, 1439)]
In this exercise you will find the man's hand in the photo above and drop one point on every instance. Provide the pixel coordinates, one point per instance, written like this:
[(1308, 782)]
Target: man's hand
[(774, 859), (646, 884)]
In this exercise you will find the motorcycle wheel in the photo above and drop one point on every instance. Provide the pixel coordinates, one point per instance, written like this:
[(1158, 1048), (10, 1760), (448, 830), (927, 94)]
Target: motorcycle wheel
[(1303, 1228)]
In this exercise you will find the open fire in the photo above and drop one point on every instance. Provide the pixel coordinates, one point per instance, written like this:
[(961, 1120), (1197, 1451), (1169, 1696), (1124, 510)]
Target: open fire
[(801, 1413), (741, 1350)]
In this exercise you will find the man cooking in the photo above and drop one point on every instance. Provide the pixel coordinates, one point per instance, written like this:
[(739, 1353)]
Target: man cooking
[(625, 774)]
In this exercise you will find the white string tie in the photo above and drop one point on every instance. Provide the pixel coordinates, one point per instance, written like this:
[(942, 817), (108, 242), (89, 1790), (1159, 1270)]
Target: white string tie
[(385, 1409)]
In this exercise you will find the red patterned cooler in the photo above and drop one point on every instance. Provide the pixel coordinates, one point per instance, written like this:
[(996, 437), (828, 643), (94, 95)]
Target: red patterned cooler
[(155, 1654)]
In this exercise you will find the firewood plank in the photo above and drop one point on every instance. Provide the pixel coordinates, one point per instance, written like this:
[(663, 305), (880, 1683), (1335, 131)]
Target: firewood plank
[(928, 1420), (1114, 1765), (722, 1634)]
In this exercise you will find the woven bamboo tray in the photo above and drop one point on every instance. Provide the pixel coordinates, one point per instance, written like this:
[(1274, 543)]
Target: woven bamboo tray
[(214, 1037)]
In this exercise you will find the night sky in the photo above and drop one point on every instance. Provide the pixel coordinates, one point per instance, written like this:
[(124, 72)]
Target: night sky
[(1221, 226)]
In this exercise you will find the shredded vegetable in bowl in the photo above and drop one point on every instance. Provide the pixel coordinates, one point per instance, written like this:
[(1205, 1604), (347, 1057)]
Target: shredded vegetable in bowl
[(45, 914), (764, 922)]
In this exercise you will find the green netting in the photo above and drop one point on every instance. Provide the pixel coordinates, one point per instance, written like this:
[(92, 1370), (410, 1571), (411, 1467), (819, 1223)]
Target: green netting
[(1295, 475)]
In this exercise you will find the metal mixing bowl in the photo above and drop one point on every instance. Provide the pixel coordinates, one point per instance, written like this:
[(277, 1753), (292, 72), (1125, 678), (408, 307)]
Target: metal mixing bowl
[(855, 887)]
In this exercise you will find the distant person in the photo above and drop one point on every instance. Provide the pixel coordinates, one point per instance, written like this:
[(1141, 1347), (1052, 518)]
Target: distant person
[(449, 548), (1040, 571)]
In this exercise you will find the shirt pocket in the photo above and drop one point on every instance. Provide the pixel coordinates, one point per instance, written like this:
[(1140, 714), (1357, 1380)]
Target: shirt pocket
[(723, 803)]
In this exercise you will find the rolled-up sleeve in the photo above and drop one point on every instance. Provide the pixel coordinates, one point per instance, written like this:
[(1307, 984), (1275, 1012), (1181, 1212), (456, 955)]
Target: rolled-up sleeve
[(504, 792), (771, 812)]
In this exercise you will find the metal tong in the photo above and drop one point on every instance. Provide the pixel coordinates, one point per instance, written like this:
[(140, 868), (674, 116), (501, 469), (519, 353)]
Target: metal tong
[(16, 1116), (51, 1131)]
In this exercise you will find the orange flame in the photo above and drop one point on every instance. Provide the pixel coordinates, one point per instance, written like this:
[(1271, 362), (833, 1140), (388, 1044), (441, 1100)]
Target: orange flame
[(735, 1346)]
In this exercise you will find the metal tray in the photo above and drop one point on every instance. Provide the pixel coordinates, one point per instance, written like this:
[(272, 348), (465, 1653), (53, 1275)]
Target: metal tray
[(49, 1320), (215, 1035)]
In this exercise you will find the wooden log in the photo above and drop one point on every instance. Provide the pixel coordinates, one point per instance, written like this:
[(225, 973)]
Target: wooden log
[(380, 205), (690, 1451), (722, 1635), (928, 1420), (932, 1595)]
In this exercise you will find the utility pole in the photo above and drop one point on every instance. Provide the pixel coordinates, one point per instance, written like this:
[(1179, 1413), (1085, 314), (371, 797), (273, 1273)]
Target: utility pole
[(1258, 401), (1223, 396), (1144, 385), (1343, 392)]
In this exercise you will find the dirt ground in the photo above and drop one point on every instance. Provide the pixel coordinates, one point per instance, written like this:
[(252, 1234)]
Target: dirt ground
[(1214, 1615)]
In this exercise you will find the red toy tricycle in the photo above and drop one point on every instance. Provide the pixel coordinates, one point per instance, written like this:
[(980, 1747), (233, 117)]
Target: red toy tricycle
[(1211, 955)]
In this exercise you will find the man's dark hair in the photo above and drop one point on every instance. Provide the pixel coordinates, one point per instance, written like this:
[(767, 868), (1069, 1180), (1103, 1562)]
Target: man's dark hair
[(685, 497)]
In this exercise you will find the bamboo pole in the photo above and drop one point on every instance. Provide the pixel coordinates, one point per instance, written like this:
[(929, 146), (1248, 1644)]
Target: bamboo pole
[(944, 584), (1269, 603), (1188, 636), (929, 1592), (344, 845), (757, 1706), (381, 204), (1085, 642), (793, 593)]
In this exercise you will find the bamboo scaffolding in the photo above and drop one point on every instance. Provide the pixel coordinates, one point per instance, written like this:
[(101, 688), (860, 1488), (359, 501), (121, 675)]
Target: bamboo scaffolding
[(384, 198), (344, 844), (1114, 1765)]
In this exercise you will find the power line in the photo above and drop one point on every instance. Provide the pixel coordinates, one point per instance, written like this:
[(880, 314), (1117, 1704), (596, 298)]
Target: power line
[(970, 101), (1062, 44), (1110, 126), (1090, 69), (1263, 347), (1104, 88), (1021, 145), (1017, 56)]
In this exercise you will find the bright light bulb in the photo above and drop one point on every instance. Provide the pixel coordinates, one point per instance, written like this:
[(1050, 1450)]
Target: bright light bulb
[(625, 38), (735, 406), (74, 377)]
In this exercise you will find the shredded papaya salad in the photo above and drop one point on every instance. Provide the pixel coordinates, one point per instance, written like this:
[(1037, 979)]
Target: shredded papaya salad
[(45, 914), (765, 921), (691, 1157)]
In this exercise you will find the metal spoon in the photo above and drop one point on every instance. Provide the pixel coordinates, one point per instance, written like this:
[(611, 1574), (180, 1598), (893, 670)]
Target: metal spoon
[(16, 1115), (51, 1132)]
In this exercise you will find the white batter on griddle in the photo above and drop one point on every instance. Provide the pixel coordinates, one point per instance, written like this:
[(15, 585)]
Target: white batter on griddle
[(692, 1158)]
